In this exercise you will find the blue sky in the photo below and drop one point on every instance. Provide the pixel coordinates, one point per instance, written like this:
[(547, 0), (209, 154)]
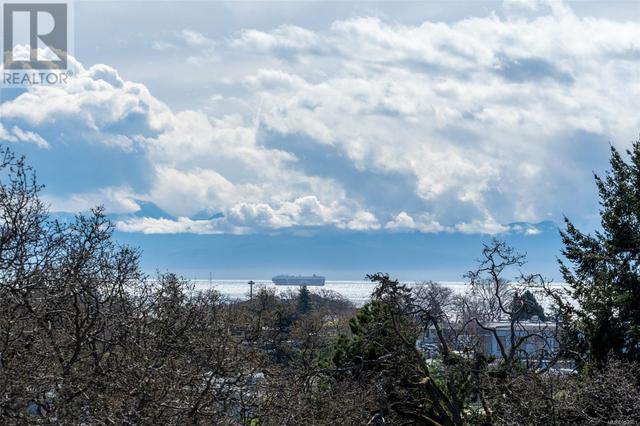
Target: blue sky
[(335, 121)]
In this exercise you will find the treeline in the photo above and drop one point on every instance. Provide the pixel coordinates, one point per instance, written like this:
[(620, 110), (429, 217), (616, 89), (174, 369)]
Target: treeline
[(87, 338)]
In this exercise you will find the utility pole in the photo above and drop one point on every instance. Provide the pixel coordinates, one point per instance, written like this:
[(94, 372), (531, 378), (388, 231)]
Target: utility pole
[(251, 283), (210, 279)]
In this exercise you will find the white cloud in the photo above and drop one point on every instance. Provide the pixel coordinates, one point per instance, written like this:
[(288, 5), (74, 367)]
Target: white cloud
[(427, 224), (477, 117), (532, 231), (303, 211), (148, 225), (195, 38), (195, 162), (403, 221), (285, 38), (476, 110), (114, 199), (16, 134), (96, 100), (363, 221), (524, 229), (487, 226), (161, 46), (247, 217)]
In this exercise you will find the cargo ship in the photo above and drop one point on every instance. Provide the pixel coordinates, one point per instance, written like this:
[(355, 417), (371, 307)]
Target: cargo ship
[(298, 280)]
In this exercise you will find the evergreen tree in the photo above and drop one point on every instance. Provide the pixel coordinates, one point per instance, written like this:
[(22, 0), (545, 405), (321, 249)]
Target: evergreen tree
[(304, 300), (604, 270), (524, 306)]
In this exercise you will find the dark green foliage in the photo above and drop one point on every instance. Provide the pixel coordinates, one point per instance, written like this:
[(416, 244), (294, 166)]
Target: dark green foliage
[(381, 354), (304, 300), (371, 337), (375, 330), (525, 306), (604, 270)]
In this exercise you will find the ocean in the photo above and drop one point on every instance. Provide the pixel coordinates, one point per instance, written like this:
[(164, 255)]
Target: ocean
[(358, 292)]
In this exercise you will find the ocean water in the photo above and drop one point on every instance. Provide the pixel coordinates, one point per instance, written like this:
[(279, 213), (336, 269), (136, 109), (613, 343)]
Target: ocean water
[(358, 292)]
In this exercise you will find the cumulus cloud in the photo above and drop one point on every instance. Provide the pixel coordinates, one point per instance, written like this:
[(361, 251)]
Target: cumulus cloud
[(190, 161), (16, 134), (96, 103), (148, 225), (303, 211), (483, 113), (362, 221), (475, 123), (403, 221), (248, 217), (478, 226)]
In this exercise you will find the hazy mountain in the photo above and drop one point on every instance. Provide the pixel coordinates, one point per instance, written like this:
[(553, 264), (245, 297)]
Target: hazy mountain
[(149, 209), (207, 215), (340, 255)]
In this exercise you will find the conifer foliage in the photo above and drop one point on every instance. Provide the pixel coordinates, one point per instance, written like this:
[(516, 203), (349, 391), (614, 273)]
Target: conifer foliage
[(603, 268)]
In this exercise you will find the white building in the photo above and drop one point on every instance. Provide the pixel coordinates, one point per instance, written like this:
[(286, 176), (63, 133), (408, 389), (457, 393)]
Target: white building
[(531, 339)]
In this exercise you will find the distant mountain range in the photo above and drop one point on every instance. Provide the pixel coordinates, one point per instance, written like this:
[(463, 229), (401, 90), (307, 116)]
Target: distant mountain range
[(147, 209), (338, 254), (207, 215)]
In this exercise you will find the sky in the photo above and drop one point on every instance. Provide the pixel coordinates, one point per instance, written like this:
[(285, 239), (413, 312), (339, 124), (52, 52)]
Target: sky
[(373, 126)]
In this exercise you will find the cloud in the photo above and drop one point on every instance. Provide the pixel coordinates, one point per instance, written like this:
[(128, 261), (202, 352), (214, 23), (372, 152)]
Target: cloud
[(114, 199), (95, 101), (286, 39), (204, 47), (189, 161), (194, 38), (148, 225), (403, 221), (303, 211), (162, 46), (16, 134), (524, 229), (487, 226), (476, 111), (362, 221), (363, 124), (244, 218)]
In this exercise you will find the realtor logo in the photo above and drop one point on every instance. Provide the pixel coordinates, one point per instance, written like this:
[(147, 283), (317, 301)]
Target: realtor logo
[(35, 36)]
